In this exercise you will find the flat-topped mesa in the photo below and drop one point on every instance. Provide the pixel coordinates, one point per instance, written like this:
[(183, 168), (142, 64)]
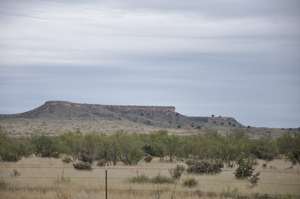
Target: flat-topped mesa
[(64, 116), (125, 108), (113, 107)]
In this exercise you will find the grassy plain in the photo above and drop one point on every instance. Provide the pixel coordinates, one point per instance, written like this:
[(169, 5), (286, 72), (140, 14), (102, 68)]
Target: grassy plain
[(50, 178)]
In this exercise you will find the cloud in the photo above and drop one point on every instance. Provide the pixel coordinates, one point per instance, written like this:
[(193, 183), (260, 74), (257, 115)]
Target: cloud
[(67, 32), (202, 56)]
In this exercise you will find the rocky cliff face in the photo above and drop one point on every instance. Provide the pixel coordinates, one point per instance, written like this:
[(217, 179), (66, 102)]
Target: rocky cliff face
[(64, 109), (75, 115)]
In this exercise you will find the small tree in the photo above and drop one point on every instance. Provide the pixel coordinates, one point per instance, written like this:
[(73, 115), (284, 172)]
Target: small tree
[(13, 149), (264, 148), (245, 168), (289, 145), (171, 143), (130, 149), (45, 146)]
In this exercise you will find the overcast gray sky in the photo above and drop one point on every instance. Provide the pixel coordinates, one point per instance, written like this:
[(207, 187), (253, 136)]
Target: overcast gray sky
[(237, 58)]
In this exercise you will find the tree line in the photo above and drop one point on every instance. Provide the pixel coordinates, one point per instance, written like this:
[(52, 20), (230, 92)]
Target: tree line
[(131, 148)]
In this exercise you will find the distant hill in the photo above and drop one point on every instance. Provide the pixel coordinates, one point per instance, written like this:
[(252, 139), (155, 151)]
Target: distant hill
[(62, 116)]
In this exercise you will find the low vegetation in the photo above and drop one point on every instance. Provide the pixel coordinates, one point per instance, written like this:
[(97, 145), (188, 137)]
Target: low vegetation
[(148, 158), (158, 179), (245, 168), (177, 172), (203, 153), (140, 179), (82, 165), (67, 159), (205, 167), (190, 182)]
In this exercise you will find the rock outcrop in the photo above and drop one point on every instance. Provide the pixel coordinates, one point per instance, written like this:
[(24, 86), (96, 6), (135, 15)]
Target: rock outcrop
[(75, 115)]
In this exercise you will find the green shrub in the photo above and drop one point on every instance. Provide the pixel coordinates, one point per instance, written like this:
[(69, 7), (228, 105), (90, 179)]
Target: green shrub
[(289, 145), (10, 149), (245, 168), (205, 167), (189, 182), (190, 162), (86, 157), (140, 179), (159, 179), (82, 165), (45, 146), (149, 149), (10, 155), (130, 148), (67, 159), (148, 158), (264, 148)]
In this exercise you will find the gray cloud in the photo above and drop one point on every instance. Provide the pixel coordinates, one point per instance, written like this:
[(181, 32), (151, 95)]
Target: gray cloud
[(236, 57)]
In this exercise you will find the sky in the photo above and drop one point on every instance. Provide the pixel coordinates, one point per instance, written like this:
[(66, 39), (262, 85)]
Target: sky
[(238, 58)]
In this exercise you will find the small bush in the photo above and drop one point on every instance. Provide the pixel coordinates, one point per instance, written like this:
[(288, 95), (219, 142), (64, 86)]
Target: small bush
[(45, 146), (86, 157), (189, 182), (9, 149), (245, 168), (10, 156), (177, 171), (82, 165), (67, 159), (140, 179), (205, 167), (148, 158), (190, 162), (159, 179)]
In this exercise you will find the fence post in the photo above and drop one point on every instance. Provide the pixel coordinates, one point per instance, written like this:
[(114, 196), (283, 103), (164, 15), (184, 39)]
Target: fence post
[(105, 183)]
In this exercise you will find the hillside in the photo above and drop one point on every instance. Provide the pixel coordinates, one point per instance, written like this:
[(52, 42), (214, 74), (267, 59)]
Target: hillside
[(62, 116)]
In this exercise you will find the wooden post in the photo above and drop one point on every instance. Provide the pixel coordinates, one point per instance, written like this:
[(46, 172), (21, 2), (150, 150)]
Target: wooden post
[(105, 183)]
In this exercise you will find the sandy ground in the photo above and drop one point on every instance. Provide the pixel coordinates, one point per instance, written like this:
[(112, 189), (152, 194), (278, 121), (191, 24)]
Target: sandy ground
[(50, 178)]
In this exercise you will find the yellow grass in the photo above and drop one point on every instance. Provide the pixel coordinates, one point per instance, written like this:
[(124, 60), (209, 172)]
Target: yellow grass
[(50, 178)]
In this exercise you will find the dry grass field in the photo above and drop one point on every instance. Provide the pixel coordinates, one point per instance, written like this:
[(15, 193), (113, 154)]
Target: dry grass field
[(52, 179)]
